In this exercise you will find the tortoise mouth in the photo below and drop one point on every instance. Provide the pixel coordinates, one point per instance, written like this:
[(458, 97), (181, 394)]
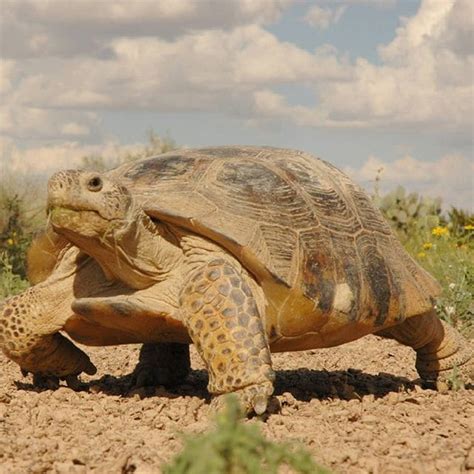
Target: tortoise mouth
[(80, 221), (56, 212), (61, 209)]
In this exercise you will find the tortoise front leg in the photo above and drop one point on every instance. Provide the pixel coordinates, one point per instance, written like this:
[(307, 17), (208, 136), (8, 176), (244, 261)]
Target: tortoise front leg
[(138, 316), (29, 337), (29, 322), (222, 318)]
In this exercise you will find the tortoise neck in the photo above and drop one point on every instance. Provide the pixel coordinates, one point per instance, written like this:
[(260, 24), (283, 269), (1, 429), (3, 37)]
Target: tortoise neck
[(143, 253)]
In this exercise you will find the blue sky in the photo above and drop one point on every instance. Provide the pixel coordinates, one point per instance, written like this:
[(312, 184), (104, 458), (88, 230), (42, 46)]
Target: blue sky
[(365, 84)]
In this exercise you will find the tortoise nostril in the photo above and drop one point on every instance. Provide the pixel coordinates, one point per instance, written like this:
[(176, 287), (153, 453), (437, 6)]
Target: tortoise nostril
[(95, 184)]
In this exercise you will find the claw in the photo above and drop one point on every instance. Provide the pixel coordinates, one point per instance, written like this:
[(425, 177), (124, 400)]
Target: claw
[(90, 368), (259, 404), (73, 382)]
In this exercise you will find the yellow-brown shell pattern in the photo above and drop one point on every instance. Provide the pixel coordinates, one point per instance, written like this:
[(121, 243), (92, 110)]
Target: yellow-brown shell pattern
[(291, 217)]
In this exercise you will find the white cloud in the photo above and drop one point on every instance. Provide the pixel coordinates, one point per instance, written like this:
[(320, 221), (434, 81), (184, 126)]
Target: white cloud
[(451, 177), (84, 27), (426, 77), (211, 70), (44, 160), (25, 122), (7, 71), (74, 129), (323, 17), (374, 3)]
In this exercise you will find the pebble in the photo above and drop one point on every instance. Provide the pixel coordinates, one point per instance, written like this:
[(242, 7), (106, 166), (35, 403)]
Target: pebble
[(392, 398), (469, 463)]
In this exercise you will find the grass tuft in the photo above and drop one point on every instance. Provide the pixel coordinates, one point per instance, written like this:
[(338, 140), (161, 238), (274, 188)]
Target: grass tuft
[(234, 447)]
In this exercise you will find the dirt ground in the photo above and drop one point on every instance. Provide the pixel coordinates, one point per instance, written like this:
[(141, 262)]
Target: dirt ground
[(355, 407)]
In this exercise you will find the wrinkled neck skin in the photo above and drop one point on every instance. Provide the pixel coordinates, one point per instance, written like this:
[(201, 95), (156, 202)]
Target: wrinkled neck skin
[(136, 250)]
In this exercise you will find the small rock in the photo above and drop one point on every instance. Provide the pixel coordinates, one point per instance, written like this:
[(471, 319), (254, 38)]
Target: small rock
[(442, 387), (369, 419), (138, 393), (469, 463), (69, 467), (419, 389), (354, 401), (94, 389), (288, 399), (392, 398), (448, 466), (62, 393)]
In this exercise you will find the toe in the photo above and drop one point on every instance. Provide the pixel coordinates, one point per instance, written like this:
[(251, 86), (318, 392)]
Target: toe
[(49, 382), (253, 398)]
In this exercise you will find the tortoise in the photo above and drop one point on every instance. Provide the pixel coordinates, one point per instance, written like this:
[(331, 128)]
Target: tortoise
[(239, 250)]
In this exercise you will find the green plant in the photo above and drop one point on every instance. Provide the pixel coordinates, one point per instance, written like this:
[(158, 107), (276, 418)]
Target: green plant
[(238, 448), (455, 381), (10, 282), (14, 237), (442, 244), (439, 252), (409, 213), (461, 226)]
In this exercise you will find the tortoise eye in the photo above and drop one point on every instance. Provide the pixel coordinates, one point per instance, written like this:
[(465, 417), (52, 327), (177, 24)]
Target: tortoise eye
[(95, 184)]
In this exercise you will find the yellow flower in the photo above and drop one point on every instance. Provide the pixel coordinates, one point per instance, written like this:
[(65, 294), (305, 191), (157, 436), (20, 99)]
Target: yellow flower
[(427, 245), (10, 242), (469, 227), (421, 254), (438, 231)]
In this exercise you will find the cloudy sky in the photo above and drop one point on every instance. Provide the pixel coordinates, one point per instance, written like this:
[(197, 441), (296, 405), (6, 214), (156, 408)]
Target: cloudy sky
[(365, 84)]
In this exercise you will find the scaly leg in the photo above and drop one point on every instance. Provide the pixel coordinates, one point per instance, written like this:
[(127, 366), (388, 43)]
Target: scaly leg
[(221, 315), (29, 322), (141, 316), (439, 347)]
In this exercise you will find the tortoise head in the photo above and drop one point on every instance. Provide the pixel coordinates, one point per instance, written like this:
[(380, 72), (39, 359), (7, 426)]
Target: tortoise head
[(99, 216), (87, 204)]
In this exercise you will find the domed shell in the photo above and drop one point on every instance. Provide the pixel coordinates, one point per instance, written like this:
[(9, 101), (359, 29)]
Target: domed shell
[(294, 221)]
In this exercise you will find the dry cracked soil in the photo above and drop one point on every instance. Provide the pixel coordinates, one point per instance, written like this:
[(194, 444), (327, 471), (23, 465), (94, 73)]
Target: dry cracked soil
[(357, 408)]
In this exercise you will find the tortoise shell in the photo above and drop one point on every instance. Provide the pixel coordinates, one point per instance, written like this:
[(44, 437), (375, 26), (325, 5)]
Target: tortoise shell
[(310, 236)]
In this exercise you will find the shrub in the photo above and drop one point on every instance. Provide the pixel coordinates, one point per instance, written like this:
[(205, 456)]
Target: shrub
[(442, 244), (10, 283), (155, 146), (15, 236), (450, 259), (408, 213), (238, 448)]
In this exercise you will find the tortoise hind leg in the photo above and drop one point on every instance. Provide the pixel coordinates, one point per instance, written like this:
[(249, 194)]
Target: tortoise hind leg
[(163, 363), (440, 349)]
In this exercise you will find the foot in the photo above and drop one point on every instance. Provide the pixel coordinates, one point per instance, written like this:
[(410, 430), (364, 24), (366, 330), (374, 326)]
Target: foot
[(254, 398), (51, 382), (451, 365), (452, 378)]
